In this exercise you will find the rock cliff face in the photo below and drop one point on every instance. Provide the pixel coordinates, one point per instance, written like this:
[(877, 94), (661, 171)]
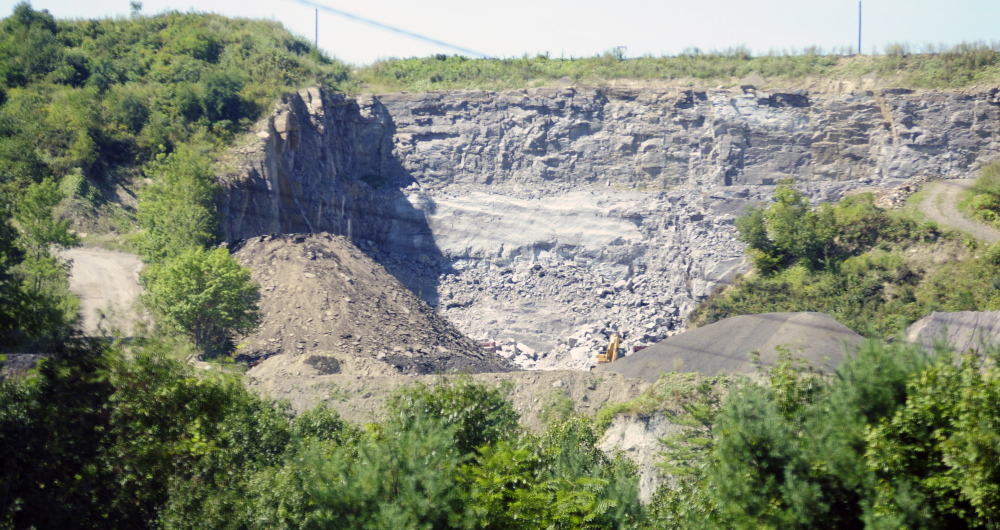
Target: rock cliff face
[(690, 138), (543, 218)]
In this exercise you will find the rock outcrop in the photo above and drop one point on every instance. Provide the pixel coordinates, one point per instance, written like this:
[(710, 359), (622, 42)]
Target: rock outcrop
[(650, 138), (639, 438), (544, 217)]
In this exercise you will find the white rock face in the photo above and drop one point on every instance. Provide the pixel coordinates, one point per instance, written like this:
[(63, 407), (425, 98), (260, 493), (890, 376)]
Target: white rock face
[(639, 438), (493, 226)]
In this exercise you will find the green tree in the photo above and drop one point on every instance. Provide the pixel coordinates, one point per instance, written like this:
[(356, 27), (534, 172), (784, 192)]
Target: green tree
[(938, 458), (52, 429), (98, 439), (788, 232), (559, 480), (790, 453), (480, 414), (40, 230), (48, 309), (206, 294), (29, 47), (177, 211), (404, 478), (13, 301)]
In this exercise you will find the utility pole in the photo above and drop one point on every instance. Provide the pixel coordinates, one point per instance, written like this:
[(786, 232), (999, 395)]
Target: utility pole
[(317, 28), (859, 27)]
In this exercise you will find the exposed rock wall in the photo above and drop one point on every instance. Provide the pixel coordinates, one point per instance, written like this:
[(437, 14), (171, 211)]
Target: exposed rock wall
[(688, 138), (639, 438), (542, 218)]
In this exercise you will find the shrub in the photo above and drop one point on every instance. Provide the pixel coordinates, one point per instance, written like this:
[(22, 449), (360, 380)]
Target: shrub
[(206, 294)]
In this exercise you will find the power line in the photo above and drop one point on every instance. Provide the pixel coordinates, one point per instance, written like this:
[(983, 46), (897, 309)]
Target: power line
[(393, 29)]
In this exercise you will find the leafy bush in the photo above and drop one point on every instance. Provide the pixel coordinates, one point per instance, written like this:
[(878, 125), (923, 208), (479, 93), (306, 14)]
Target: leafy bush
[(40, 311), (479, 414), (984, 203), (206, 294), (871, 269), (790, 451), (400, 477), (789, 232), (937, 458), (177, 211)]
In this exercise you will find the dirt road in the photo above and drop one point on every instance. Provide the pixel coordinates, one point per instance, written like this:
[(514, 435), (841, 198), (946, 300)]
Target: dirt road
[(102, 279), (941, 206)]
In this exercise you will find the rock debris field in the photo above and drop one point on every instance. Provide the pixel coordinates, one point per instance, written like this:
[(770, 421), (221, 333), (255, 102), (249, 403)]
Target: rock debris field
[(322, 297)]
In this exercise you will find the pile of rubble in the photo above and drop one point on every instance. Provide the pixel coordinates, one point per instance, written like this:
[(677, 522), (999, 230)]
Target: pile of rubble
[(324, 298)]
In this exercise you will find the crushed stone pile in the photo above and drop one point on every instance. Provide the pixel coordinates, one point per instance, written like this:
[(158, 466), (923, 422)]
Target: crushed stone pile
[(322, 297), (724, 347), (965, 330)]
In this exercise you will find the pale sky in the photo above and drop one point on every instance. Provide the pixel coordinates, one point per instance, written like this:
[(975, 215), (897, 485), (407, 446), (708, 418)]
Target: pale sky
[(578, 28)]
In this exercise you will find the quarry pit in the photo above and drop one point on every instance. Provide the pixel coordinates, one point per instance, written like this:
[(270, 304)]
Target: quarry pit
[(545, 219)]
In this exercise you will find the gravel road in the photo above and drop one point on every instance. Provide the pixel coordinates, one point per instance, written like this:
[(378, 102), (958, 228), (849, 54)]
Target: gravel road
[(102, 279), (941, 205)]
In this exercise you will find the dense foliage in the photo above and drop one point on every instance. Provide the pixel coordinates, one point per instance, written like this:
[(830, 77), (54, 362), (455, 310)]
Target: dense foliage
[(100, 438), (871, 269), (98, 94), (36, 308), (897, 438)]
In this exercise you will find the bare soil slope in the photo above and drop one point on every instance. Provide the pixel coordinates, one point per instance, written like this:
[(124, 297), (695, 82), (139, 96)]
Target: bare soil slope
[(322, 297), (724, 347)]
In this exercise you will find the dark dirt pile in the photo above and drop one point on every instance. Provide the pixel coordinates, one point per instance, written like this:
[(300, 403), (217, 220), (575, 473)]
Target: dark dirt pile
[(322, 297), (724, 347), (965, 330)]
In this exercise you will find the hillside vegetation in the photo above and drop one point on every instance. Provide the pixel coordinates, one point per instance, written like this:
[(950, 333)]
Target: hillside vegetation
[(115, 436), (936, 67), (874, 270), (96, 111)]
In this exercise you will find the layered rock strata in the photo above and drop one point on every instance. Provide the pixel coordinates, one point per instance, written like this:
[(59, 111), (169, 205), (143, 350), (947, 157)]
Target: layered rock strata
[(545, 218)]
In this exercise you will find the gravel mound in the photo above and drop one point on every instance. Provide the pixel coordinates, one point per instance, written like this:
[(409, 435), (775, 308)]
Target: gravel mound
[(724, 347), (965, 330), (322, 297)]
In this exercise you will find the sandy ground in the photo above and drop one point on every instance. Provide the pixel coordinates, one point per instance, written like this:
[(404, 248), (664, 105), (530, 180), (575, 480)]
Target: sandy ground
[(941, 206), (103, 279), (358, 389)]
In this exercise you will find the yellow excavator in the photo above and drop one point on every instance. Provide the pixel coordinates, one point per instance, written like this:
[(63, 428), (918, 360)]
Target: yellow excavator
[(612, 354)]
